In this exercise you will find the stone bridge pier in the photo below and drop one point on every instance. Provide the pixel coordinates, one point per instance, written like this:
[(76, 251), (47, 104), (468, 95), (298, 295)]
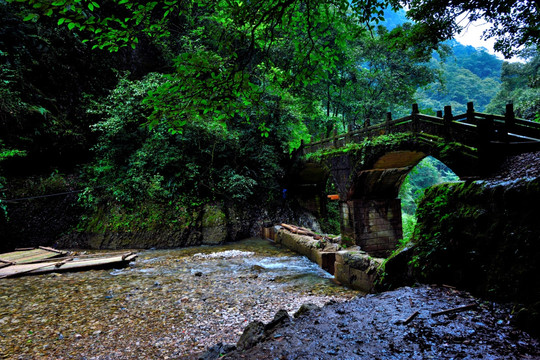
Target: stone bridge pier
[(373, 224)]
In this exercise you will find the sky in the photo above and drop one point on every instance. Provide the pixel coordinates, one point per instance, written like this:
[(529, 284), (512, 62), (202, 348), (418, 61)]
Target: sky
[(472, 34)]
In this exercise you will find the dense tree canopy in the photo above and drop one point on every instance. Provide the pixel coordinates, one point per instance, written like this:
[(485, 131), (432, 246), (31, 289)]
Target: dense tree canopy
[(226, 54), (468, 74)]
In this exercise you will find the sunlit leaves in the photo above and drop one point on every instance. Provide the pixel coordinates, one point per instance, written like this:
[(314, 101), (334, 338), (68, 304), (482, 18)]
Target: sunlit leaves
[(110, 31)]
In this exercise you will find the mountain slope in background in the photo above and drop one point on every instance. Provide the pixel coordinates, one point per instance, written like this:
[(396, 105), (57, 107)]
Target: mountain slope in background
[(467, 74)]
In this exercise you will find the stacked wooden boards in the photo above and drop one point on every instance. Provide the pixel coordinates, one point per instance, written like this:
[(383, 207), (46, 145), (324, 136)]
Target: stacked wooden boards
[(32, 261)]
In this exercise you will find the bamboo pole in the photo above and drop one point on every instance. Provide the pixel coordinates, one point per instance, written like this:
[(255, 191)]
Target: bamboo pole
[(456, 309)]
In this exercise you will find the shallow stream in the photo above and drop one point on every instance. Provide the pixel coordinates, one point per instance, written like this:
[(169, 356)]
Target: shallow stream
[(167, 304)]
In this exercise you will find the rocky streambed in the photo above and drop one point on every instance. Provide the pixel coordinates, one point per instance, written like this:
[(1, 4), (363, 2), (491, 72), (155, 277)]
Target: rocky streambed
[(182, 304), (169, 304)]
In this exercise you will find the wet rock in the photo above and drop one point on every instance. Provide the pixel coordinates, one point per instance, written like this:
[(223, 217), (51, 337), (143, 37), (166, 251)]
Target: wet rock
[(281, 317), (309, 221), (367, 330), (257, 331), (214, 225), (257, 268), (304, 309), (217, 351), (483, 223), (252, 335)]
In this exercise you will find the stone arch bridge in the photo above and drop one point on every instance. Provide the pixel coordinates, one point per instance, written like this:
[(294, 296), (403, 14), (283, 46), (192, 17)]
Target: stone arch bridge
[(369, 165)]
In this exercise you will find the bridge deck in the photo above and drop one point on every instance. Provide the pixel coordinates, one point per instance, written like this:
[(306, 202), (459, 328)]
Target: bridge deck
[(473, 129)]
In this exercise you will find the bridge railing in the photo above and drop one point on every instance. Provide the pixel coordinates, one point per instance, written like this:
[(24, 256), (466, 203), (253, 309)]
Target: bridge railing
[(471, 128)]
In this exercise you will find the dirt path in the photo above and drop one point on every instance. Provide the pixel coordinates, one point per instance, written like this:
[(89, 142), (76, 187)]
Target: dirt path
[(372, 327)]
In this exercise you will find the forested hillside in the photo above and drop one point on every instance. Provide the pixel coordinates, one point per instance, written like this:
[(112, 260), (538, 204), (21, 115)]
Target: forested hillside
[(463, 74), (467, 74)]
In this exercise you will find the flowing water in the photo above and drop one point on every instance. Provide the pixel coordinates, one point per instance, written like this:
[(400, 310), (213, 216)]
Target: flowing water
[(167, 304)]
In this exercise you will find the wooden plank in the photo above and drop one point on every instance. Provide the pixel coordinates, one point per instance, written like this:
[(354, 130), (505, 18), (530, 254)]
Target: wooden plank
[(52, 250), (456, 309), (29, 256), (66, 265)]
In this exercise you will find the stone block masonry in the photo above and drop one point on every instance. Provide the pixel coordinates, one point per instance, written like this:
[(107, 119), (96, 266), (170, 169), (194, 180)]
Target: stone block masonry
[(357, 270), (309, 247), (373, 224)]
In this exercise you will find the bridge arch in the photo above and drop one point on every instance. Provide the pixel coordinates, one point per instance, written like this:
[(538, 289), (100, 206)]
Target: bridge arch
[(370, 179)]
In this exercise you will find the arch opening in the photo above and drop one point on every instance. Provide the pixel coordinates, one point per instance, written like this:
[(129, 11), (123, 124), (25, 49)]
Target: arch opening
[(428, 172), (331, 220)]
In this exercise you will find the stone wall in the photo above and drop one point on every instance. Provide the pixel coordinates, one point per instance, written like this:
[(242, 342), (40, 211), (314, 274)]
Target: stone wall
[(306, 245), (357, 270)]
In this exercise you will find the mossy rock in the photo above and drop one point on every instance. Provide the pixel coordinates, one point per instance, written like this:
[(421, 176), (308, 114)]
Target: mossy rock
[(482, 237), (214, 225)]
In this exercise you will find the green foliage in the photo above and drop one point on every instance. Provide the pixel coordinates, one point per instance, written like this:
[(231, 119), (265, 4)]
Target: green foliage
[(6, 154), (10, 153), (377, 73), (137, 165), (408, 223), (364, 147), (425, 174), (45, 74), (424, 260), (230, 56), (520, 86), (240, 88), (467, 75), (466, 232), (330, 223)]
